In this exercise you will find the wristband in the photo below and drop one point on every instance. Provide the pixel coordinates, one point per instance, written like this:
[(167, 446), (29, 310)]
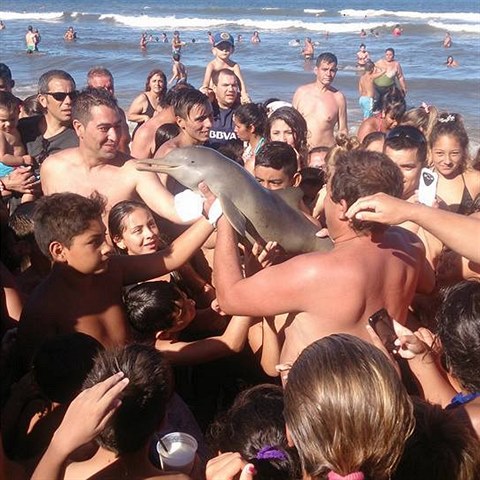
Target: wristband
[(188, 205), (215, 212)]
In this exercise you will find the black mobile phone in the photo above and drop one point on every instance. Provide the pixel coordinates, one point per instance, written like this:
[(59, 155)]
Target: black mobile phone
[(382, 323)]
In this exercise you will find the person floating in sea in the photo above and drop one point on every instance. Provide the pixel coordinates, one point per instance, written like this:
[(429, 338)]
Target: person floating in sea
[(70, 34), (363, 33), (255, 37), (164, 38), (397, 30), (2, 25), (447, 41), (451, 62), (308, 50)]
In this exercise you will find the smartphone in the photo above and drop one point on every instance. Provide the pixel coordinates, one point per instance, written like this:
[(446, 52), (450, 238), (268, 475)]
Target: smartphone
[(382, 323), (427, 189)]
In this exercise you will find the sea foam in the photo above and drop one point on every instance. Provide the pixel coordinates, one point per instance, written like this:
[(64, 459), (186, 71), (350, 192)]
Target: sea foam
[(464, 17)]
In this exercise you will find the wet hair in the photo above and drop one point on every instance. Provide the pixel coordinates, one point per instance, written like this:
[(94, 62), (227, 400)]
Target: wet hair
[(151, 307), (406, 137), (458, 327), (116, 219), (89, 98), (326, 57), (294, 119), (362, 45), (9, 102), (224, 71), (255, 422), (233, 149), (187, 100), (279, 156), (47, 77), (165, 132), (176, 57), (451, 124), (369, 66), (62, 216), (157, 71), (370, 138), (360, 173), (390, 49), (424, 118), (441, 447), (62, 364), (346, 409), (99, 72), (31, 106), (252, 114), (144, 400), (394, 104)]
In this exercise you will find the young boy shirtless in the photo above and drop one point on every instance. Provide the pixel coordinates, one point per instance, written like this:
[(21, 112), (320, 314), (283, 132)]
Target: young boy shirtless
[(223, 47), (179, 71), (83, 291), (366, 88), (12, 150)]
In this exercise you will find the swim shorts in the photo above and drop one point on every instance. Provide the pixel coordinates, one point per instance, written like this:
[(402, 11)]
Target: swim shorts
[(366, 105)]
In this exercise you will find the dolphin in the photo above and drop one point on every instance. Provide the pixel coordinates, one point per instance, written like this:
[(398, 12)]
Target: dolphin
[(256, 213)]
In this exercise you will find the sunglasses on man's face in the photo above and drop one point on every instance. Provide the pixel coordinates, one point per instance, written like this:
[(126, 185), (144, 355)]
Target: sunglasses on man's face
[(61, 96)]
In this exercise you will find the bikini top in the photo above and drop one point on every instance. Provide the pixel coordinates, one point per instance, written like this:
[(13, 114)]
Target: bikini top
[(462, 398)]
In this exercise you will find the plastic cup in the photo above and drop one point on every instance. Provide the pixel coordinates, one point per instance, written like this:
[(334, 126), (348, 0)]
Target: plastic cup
[(180, 453)]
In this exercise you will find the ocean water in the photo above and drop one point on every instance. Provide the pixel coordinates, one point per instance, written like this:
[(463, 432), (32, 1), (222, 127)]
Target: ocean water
[(109, 33)]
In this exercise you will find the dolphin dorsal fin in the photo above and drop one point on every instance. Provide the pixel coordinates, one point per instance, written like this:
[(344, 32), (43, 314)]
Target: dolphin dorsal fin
[(236, 218), (291, 196)]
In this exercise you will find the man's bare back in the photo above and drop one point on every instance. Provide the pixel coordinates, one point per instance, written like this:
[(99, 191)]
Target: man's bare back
[(353, 281)]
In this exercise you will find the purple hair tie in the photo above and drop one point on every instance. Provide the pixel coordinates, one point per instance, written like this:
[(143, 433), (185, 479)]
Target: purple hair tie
[(271, 453)]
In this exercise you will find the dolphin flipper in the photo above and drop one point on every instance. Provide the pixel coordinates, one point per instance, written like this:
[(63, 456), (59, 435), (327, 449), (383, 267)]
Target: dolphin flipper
[(234, 215)]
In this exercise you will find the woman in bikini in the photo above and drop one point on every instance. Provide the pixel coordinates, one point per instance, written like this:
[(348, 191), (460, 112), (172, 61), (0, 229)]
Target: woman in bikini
[(458, 183), (148, 102)]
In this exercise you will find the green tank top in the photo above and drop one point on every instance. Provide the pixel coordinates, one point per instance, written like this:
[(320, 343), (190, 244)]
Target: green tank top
[(384, 81)]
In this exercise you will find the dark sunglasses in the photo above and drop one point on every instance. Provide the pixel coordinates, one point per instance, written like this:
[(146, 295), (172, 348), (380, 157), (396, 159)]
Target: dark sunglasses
[(406, 131), (61, 96)]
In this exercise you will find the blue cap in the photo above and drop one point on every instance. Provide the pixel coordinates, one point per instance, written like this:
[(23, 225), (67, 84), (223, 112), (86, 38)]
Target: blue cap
[(223, 37)]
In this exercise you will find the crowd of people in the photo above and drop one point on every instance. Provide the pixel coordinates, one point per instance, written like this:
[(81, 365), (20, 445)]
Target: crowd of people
[(133, 307)]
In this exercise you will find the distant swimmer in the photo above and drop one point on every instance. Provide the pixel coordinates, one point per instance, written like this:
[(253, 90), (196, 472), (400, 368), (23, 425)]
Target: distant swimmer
[(210, 38), (179, 71), (164, 38), (362, 56), (255, 37), (143, 41), (294, 43), (239, 38), (30, 40), (2, 25), (451, 63), (308, 49), (397, 30), (447, 41), (363, 33), (70, 34)]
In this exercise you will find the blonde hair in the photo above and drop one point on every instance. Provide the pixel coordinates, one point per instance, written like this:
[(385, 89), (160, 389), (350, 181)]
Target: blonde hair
[(423, 118), (346, 409)]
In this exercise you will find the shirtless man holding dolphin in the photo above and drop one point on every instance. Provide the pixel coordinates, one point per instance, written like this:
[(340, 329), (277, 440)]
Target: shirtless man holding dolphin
[(334, 292), (322, 105)]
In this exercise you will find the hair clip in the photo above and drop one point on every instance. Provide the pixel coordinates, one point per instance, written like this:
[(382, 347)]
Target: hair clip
[(271, 453), (449, 118), (426, 107)]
